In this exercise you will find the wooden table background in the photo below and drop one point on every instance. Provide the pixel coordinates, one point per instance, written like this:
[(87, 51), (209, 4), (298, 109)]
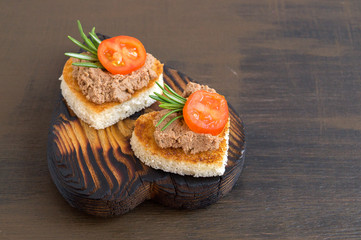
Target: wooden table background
[(290, 68)]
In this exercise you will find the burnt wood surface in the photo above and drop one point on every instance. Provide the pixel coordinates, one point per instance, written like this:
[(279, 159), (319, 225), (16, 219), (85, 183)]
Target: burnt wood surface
[(97, 172), (290, 68)]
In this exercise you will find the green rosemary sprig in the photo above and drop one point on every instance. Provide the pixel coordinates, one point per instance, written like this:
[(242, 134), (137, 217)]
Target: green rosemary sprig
[(91, 46), (169, 100)]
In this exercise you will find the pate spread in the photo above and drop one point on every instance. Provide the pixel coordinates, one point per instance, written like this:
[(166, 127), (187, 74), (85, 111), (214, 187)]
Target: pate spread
[(192, 87), (178, 134), (100, 86)]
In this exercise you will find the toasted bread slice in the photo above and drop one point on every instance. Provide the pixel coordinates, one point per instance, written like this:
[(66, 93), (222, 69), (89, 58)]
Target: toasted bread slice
[(175, 160), (103, 115)]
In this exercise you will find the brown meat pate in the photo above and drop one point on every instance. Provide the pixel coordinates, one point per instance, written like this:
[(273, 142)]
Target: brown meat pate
[(100, 86), (178, 134)]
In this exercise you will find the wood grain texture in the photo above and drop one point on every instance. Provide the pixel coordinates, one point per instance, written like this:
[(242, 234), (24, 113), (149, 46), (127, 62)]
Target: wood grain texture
[(290, 68), (97, 172)]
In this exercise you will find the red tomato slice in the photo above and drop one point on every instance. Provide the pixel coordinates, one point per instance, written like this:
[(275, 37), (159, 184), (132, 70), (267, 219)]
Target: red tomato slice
[(206, 112), (122, 54)]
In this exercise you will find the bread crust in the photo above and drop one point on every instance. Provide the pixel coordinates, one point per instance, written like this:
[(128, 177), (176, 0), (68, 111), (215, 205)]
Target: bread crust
[(175, 160), (74, 87), (104, 115)]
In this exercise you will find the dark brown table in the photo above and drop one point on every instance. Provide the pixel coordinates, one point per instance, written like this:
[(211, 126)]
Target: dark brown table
[(291, 69)]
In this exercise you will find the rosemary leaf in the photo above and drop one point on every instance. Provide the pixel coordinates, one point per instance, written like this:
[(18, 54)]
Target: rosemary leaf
[(173, 98), (85, 38), (88, 64), (171, 106), (170, 122), (95, 39), (174, 93), (82, 56), (165, 99), (166, 115), (155, 98), (172, 101), (82, 46)]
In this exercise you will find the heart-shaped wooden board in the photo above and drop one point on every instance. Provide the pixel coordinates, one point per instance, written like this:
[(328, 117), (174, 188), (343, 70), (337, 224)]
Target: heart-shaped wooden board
[(97, 172)]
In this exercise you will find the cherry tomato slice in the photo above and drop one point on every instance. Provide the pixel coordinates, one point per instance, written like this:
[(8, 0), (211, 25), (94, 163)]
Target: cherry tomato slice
[(206, 112), (121, 54)]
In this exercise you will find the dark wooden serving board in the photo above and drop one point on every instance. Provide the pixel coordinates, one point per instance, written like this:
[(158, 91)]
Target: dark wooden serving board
[(96, 171)]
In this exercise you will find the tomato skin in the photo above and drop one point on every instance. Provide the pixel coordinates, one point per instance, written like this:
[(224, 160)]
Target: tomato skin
[(206, 112), (121, 54)]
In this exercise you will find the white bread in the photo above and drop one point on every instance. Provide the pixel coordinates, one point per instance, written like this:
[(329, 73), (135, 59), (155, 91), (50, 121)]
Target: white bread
[(175, 160), (104, 115)]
